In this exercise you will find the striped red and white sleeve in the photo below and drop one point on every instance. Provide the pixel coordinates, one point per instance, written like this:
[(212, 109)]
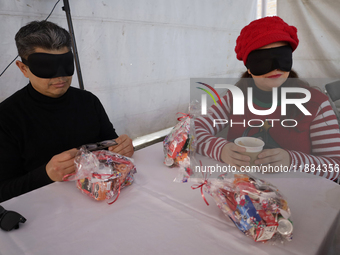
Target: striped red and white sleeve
[(207, 143), (324, 159)]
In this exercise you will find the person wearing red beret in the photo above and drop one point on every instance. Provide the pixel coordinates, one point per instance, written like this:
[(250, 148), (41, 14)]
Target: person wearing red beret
[(311, 145)]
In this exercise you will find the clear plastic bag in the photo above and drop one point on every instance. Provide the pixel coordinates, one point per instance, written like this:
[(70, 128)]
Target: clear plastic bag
[(180, 145), (256, 207), (102, 174)]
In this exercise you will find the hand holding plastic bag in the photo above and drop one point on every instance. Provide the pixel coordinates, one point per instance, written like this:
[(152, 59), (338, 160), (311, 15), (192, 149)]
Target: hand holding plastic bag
[(102, 174)]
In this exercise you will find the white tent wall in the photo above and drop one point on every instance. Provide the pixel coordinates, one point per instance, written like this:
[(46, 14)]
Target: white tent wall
[(318, 24), (137, 56)]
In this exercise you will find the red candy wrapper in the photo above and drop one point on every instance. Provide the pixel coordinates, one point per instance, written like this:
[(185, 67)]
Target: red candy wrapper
[(256, 207), (102, 174)]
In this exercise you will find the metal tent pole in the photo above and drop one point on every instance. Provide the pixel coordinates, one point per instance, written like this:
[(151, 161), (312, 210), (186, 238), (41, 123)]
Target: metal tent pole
[(264, 9), (66, 8)]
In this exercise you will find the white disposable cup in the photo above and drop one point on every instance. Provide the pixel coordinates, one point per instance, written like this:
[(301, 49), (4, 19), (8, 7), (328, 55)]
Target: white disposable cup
[(253, 147)]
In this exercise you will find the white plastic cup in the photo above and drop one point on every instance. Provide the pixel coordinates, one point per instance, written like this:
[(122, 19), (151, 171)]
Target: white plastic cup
[(253, 147)]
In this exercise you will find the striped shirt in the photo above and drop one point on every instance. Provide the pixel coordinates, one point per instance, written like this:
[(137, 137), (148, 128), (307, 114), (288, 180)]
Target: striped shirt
[(313, 145)]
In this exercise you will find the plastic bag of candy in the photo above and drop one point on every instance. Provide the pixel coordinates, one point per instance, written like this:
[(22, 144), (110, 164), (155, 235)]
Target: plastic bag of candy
[(180, 145), (102, 174), (256, 207)]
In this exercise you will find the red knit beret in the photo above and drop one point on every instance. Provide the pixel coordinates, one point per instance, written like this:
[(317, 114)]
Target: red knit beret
[(264, 31)]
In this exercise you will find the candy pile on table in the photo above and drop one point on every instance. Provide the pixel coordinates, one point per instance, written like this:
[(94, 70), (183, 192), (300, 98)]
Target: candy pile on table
[(256, 207), (180, 145), (102, 174)]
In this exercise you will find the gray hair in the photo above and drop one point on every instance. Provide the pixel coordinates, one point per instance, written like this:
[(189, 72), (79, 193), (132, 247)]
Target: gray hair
[(42, 34)]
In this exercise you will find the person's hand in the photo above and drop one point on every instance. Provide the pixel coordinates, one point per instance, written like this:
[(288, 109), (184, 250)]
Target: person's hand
[(231, 154), (61, 165), (274, 157), (124, 146)]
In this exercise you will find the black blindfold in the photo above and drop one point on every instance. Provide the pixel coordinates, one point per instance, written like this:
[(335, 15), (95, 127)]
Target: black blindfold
[(44, 65), (263, 61), (10, 220)]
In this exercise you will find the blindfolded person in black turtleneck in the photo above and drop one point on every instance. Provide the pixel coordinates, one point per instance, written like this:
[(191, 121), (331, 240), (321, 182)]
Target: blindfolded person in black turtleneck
[(42, 124)]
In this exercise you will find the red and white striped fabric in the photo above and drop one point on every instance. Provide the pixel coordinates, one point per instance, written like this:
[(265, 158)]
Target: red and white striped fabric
[(314, 148)]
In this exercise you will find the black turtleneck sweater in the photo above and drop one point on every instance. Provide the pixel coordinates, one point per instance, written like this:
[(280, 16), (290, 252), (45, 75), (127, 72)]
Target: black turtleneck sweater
[(34, 128)]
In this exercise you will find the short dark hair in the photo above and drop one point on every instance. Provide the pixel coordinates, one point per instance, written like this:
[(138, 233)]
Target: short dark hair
[(42, 34)]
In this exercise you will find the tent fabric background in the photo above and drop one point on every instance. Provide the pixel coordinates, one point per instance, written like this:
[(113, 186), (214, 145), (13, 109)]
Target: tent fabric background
[(318, 54), (318, 23), (137, 56)]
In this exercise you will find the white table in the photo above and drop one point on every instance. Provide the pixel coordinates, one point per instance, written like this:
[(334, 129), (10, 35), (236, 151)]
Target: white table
[(157, 216)]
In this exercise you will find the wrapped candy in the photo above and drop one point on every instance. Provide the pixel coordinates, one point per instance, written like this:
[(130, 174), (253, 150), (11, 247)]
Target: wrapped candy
[(256, 207), (102, 174), (176, 144), (180, 145)]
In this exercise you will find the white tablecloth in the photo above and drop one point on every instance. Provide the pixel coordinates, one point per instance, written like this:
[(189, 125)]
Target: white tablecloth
[(157, 216)]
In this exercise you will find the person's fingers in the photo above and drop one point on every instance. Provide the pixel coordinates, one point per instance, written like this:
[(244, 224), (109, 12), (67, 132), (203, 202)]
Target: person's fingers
[(61, 164), (67, 164), (66, 155), (270, 156), (118, 148), (60, 169), (239, 156), (124, 149), (111, 148), (124, 146), (122, 138), (231, 152), (128, 152), (240, 163), (69, 169), (237, 148), (268, 152), (234, 156), (118, 141)]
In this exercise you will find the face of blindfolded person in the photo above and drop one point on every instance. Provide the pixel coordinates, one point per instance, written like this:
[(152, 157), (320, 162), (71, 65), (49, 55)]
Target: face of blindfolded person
[(60, 81), (274, 78)]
